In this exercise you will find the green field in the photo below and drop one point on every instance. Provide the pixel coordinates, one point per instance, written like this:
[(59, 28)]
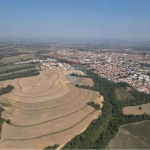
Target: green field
[(15, 67), (13, 59), (123, 94), (18, 71), (5, 104), (132, 136), (19, 74), (140, 130), (5, 71)]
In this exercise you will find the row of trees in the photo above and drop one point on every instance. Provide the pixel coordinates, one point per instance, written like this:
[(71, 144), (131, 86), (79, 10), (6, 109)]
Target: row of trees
[(103, 129), (17, 69), (8, 54), (52, 147), (6, 90), (30, 72), (95, 106), (139, 98), (77, 75)]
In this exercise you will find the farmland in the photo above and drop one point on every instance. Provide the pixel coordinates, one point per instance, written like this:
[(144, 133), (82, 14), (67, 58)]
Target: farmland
[(13, 68), (86, 82), (123, 94), (44, 109), (12, 59), (139, 109), (132, 136), (17, 71)]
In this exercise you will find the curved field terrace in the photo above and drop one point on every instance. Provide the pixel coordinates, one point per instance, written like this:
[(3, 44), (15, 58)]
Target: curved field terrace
[(46, 110)]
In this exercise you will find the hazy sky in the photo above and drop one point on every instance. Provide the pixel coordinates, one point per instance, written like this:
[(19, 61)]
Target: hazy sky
[(85, 19)]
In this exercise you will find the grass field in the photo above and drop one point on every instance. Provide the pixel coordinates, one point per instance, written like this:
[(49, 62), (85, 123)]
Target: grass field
[(132, 136), (18, 71), (44, 109), (86, 82), (123, 94), (12, 59), (31, 48), (5, 104), (79, 80), (2, 69)]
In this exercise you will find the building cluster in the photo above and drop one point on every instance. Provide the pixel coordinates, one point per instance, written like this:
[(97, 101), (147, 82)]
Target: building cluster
[(53, 64), (35, 61), (48, 63), (118, 67)]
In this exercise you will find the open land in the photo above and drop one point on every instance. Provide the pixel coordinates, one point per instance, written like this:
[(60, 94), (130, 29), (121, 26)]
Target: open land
[(123, 94), (132, 136), (86, 82), (140, 109), (12, 59), (46, 110)]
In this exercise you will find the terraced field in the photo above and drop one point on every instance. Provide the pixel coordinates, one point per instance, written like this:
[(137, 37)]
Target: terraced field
[(45, 110)]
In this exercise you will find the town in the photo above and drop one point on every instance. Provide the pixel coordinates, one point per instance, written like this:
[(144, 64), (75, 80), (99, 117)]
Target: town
[(118, 67)]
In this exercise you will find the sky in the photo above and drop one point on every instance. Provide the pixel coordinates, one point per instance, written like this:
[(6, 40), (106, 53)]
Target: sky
[(75, 19)]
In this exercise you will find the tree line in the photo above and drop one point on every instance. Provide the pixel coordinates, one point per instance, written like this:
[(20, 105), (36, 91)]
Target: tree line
[(103, 129), (17, 69), (77, 75), (30, 72), (3, 90), (7, 89)]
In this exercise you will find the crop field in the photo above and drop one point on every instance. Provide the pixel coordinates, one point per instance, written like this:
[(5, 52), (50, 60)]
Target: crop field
[(86, 82), (140, 109), (18, 71), (31, 48), (12, 59), (132, 136), (45, 110), (14, 67), (79, 80), (123, 94)]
